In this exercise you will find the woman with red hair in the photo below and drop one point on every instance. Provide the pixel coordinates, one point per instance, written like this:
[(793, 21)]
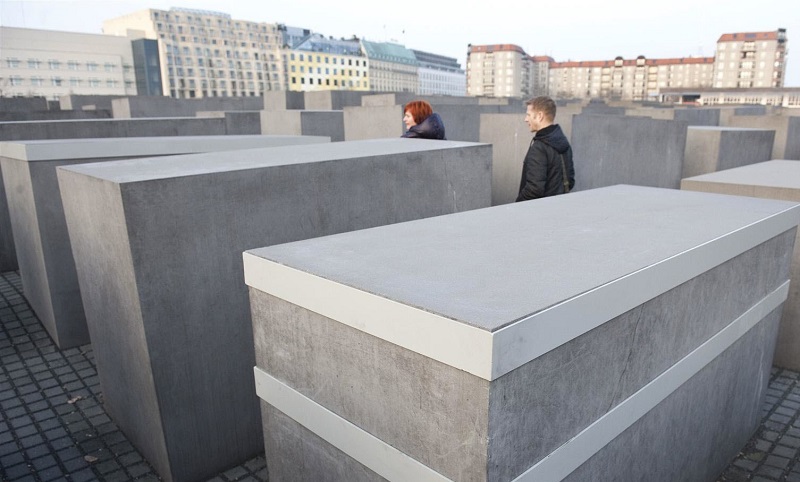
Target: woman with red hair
[(422, 122)]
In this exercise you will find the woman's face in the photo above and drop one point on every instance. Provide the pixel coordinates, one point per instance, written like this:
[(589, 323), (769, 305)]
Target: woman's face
[(408, 120)]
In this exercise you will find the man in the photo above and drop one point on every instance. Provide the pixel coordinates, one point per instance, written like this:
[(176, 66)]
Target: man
[(548, 155)]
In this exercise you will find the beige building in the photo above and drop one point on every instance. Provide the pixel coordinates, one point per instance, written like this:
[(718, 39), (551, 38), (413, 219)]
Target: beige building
[(316, 62), (638, 79), (50, 64), (753, 59), (502, 70), (392, 67), (208, 54)]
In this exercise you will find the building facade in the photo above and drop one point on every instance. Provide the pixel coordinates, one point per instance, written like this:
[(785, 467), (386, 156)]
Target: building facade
[(50, 64), (208, 54), (540, 74), (392, 67), (440, 75), (769, 96), (323, 63), (501, 70), (638, 79), (752, 59)]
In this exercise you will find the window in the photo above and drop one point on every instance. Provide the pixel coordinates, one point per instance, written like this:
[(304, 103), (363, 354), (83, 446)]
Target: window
[(72, 65), (92, 66), (56, 81), (109, 67), (34, 64), (15, 80), (37, 81), (74, 82), (12, 63), (110, 83), (54, 64)]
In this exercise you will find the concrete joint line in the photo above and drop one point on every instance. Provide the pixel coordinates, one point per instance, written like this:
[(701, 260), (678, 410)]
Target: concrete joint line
[(565, 459)]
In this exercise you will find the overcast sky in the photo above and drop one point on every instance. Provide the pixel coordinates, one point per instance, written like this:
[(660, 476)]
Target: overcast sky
[(569, 30)]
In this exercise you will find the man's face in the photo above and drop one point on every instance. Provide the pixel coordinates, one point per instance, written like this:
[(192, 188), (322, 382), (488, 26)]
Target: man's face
[(533, 118)]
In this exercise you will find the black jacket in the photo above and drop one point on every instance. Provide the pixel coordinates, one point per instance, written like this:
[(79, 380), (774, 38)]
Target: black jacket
[(430, 128), (542, 174)]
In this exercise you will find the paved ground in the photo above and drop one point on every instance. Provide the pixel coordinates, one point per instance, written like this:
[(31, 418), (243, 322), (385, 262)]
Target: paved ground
[(53, 425)]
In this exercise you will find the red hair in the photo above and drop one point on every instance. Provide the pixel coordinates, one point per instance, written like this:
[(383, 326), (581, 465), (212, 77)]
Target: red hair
[(419, 109)]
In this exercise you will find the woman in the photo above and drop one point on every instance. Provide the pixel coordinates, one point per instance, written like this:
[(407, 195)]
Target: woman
[(422, 122)]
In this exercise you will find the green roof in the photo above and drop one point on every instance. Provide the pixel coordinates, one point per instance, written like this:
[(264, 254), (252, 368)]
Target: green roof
[(389, 52)]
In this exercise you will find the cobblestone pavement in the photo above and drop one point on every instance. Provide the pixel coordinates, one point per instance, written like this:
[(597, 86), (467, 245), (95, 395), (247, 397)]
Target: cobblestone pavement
[(53, 426)]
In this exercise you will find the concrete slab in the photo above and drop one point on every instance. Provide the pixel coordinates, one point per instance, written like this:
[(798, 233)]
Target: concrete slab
[(174, 349), (329, 123), (521, 376), (775, 179), (612, 149), (510, 138), (711, 149), (787, 132), (378, 122), (37, 215)]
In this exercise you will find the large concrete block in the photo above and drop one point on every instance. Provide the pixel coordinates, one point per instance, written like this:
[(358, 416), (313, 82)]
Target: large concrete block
[(612, 150), (377, 358), (711, 149), (155, 106), (510, 138), (304, 122), (283, 100), (333, 99), (39, 228), (373, 122), (158, 253), (78, 102), (775, 179), (95, 128), (787, 132), (699, 116), (8, 256)]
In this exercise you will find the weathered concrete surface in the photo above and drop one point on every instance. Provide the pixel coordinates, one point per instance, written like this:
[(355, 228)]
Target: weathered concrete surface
[(174, 349), (775, 179), (460, 406), (156, 106), (94, 128), (612, 149), (711, 149), (8, 255), (284, 100), (787, 132), (332, 99), (373, 122), (510, 138), (78, 102), (700, 116), (37, 218), (304, 122)]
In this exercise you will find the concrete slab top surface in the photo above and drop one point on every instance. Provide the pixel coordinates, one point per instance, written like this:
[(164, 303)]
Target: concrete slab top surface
[(144, 169), (58, 149), (134, 119), (492, 267), (775, 173)]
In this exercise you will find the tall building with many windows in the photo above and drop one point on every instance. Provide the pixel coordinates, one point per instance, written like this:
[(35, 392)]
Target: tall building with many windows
[(208, 54), (50, 64), (751, 59), (316, 62), (637, 79), (502, 70), (392, 67), (440, 75)]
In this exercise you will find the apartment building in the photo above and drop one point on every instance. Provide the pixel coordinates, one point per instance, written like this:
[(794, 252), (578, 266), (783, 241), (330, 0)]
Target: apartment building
[(540, 74), (501, 70), (50, 64), (440, 75), (208, 54), (392, 67), (316, 62), (751, 59), (636, 79)]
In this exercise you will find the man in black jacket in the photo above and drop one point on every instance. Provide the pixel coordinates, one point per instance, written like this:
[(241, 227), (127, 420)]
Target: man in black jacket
[(549, 154)]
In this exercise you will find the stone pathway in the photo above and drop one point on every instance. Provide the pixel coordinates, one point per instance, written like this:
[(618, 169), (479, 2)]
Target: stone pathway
[(53, 426)]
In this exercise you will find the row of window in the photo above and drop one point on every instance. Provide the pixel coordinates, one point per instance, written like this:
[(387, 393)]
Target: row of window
[(256, 27), (206, 52), (190, 72), (328, 71), (348, 83), (16, 80), (310, 58), (57, 64)]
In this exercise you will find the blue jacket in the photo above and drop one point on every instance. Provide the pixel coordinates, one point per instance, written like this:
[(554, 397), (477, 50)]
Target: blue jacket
[(430, 128)]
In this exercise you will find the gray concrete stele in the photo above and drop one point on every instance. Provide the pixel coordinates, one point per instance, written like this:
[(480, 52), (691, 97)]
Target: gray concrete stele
[(548, 340), (158, 250)]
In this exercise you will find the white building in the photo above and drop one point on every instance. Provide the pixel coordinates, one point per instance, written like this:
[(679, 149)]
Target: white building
[(51, 64), (208, 54), (502, 70), (440, 75), (751, 59)]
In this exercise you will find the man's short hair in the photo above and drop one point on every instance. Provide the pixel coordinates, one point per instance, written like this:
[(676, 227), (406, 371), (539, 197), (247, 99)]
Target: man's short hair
[(543, 104)]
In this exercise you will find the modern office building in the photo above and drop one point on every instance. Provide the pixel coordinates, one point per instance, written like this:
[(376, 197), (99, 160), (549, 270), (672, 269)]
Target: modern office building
[(50, 64), (502, 70), (392, 67), (770, 96), (637, 79), (208, 54), (440, 75), (751, 59), (316, 62)]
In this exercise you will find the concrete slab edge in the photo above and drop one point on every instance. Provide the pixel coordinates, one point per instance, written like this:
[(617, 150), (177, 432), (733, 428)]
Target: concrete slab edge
[(565, 459), (377, 455)]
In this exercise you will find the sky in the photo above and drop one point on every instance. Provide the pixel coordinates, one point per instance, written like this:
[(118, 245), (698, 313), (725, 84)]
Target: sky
[(569, 30)]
